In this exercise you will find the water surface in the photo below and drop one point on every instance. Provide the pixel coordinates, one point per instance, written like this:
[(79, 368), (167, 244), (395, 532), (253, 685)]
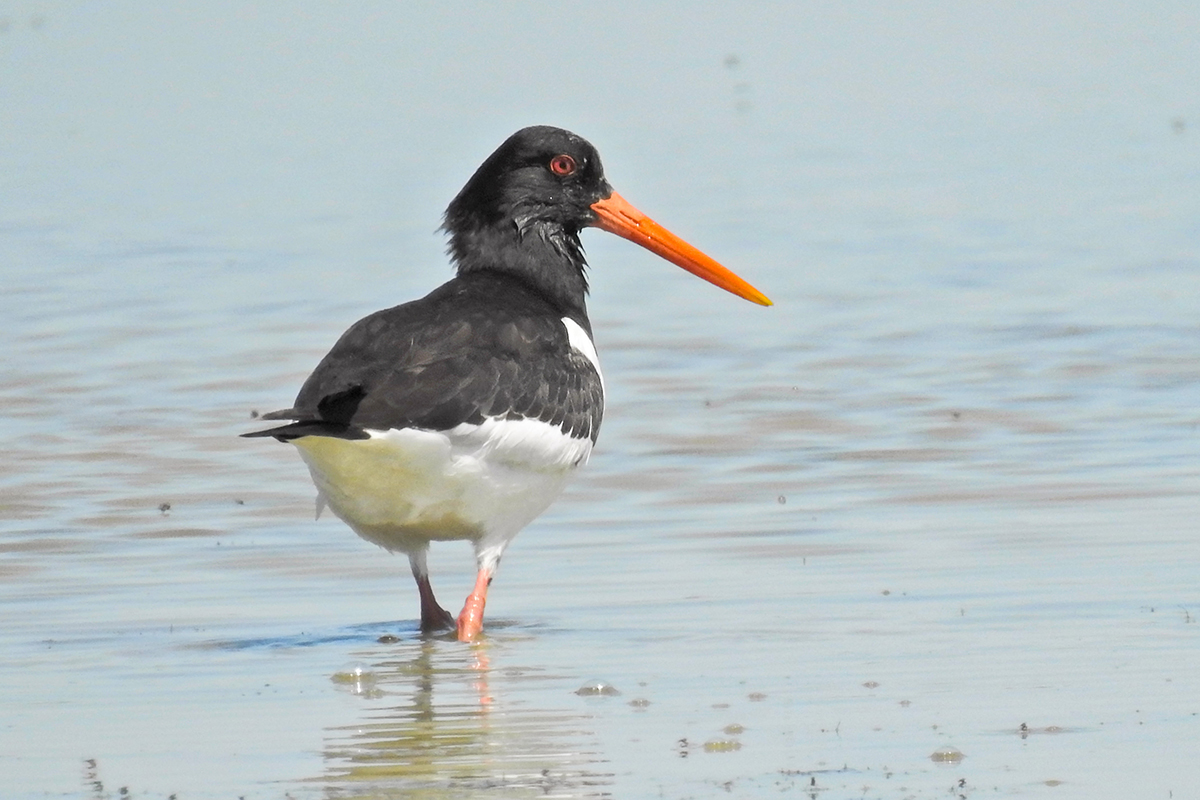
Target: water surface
[(942, 495)]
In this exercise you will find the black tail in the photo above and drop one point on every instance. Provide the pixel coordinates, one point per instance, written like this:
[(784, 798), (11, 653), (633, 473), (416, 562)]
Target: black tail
[(311, 427)]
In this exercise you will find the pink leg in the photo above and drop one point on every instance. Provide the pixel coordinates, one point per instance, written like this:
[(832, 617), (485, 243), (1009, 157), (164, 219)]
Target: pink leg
[(470, 621), (433, 616)]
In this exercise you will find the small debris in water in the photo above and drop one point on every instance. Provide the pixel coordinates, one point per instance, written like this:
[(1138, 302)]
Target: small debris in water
[(164, 508), (350, 673), (733, 729), (782, 499), (358, 678), (756, 696), (720, 705), (639, 703), (722, 745), (871, 684), (592, 688), (946, 755), (1024, 731)]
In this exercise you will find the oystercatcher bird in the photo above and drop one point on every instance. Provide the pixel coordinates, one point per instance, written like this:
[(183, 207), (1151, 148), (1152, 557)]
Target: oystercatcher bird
[(463, 414)]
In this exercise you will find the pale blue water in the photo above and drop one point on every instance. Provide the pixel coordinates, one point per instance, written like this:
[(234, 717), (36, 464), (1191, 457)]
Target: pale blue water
[(945, 487)]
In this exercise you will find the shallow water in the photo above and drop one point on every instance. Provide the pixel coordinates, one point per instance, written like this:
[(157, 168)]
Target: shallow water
[(943, 495)]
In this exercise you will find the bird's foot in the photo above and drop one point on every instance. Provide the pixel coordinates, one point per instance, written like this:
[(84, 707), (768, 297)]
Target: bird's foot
[(433, 616), (436, 619), (470, 621)]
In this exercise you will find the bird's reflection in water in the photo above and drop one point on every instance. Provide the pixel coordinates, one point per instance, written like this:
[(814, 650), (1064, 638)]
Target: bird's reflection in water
[(440, 719)]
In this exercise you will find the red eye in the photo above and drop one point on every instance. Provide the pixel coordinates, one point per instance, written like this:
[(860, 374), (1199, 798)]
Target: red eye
[(562, 165)]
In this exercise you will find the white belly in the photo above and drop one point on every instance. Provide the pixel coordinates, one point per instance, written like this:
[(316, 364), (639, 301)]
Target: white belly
[(402, 489)]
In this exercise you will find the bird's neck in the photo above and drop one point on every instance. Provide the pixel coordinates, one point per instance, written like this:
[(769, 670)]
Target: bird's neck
[(546, 257)]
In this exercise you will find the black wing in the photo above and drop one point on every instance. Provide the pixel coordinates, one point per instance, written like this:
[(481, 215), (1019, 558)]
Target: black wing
[(480, 346)]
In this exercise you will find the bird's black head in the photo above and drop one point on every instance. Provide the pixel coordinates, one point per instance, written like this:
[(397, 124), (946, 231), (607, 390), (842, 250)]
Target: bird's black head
[(520, 213)]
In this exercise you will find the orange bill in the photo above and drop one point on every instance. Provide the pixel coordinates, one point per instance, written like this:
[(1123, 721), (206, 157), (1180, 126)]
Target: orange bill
[(615, 215)]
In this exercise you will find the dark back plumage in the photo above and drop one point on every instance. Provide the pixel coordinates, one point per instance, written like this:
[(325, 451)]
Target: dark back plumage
[(491, 341)]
